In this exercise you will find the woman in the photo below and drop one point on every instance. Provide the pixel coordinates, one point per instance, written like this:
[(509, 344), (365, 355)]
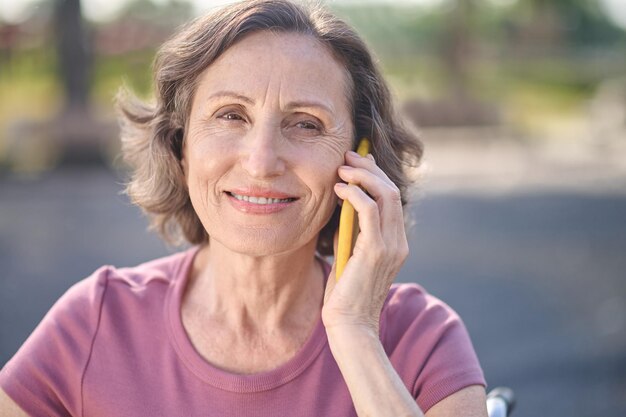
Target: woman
[(246, 155)]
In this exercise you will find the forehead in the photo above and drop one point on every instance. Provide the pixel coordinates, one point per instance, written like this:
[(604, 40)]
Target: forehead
[(296, 65)]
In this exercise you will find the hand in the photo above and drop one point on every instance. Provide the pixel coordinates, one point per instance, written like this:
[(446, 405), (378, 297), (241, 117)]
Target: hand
[(380, 250)]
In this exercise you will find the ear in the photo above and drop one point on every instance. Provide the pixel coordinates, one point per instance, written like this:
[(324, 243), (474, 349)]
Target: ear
[(183, 161), (184, 171)]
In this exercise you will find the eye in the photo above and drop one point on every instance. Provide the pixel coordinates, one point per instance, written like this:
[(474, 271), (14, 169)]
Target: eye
[(304, 125), (232, 116), (307, 125)]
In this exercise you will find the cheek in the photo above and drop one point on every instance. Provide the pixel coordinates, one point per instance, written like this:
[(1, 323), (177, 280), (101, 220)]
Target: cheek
[(332, 159), (207, 160), (321, 173), (207, 152), (329, 151)]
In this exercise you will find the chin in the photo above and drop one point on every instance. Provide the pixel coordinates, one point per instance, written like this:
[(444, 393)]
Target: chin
[(262, 242)]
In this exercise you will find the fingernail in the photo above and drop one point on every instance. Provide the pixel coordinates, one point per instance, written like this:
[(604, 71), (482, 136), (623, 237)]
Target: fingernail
[(341, 185), (353, 154)]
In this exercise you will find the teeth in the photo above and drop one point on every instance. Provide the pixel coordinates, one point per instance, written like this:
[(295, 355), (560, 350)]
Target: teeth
[(260, 200)]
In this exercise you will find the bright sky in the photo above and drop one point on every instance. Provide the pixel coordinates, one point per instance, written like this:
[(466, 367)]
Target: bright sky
[(102, 10)]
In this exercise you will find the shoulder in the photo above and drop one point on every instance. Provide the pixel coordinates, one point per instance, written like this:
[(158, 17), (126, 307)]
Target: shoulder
[(411, 306), (158, 271), (76, 313), (412, 296), (428, 344), (109, 281), (45, 375), (414, 319), (113, 294)]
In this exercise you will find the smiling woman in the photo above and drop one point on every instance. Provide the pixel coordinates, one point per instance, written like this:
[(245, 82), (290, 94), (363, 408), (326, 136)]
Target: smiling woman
[(245, 155)]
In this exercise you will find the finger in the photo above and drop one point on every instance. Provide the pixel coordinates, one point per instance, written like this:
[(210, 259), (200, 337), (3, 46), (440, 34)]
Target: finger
[(387, 197), (380, 189), (366, 162), (367, 209), (392, 214), (389, 201)]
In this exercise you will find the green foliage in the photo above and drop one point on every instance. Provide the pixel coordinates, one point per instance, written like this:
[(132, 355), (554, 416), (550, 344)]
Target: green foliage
[(132, 70), (583, 21), (395, 31)]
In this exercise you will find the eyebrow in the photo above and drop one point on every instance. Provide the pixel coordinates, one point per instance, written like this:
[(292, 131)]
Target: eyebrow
[(309, 104), (292, 105), (230, 94)]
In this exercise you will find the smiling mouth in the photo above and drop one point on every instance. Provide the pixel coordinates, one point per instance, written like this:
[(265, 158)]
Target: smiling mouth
[(260, 200)]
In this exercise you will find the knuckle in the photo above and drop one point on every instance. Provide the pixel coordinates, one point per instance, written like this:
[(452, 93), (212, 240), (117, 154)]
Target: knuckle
[(403, 252), (394, 194)]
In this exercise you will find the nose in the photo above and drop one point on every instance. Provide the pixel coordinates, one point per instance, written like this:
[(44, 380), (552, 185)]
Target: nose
[(262, 156)]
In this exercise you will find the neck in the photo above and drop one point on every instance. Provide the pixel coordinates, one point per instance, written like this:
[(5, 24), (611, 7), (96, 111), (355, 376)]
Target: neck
[(256, 293)]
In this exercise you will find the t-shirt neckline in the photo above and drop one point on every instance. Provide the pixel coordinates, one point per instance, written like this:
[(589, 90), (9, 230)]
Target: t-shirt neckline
[(219, 378)]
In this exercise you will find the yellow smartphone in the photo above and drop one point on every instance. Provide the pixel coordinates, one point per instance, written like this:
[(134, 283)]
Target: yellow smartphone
[(348, 224)]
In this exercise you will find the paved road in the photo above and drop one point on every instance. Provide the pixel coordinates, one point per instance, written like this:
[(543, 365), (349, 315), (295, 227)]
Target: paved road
[(538, 277)]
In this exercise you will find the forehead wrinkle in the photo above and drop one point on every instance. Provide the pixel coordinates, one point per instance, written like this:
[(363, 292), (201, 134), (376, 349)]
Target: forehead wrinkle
[(275, 78), (267, 91), (348, 82)]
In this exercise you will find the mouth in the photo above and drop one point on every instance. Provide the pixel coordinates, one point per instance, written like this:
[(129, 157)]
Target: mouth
[(261, 200)]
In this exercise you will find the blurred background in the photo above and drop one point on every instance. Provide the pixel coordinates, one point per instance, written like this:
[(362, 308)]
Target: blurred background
[(519, 216)]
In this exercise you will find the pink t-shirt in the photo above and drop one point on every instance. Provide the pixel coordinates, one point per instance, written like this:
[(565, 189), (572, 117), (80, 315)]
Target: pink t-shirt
[(114, 346)]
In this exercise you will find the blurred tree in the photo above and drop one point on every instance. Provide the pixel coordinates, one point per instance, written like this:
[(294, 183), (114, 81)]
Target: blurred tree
[(458, 107), (74, 51), (168, 14), (551, 24), (79, 136), (456, 46), (8, 38)]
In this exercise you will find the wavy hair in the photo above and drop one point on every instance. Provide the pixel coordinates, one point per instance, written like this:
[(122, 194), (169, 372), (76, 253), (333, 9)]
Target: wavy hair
[(152, 134)]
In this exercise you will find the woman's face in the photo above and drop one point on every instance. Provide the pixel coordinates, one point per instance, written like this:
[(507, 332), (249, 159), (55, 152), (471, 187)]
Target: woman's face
[(269, 125)]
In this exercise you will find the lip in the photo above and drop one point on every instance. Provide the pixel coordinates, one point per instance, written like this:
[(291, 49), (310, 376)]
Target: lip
[(260, 192), (252, 208)]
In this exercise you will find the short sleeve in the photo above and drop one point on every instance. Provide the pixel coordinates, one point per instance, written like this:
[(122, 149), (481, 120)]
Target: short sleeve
[(44, 377), (429, 345)]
